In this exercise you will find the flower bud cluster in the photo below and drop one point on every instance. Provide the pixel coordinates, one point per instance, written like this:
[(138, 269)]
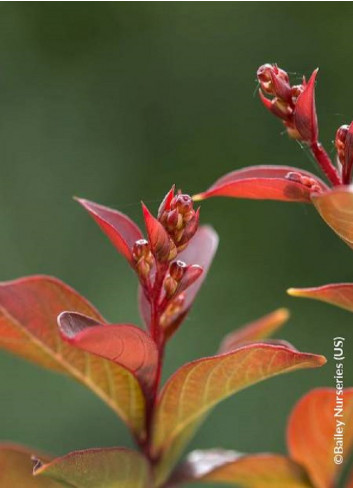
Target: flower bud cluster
[(275, 82), (179, 218)]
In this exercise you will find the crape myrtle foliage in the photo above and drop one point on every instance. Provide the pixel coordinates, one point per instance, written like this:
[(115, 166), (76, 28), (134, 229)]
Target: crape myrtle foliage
[(45, 321), (311, 441), (295, 106)]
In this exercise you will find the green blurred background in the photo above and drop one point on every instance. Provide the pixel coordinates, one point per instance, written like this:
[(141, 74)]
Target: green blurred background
[(117, 101)]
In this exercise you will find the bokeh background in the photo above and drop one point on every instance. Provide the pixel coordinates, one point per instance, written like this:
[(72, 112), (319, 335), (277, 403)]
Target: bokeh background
[(117, 101)]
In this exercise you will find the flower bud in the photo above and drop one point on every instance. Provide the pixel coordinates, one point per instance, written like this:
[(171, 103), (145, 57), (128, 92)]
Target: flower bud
[(274, 81), (308, 182), (177, 270), (173, 309), (140, 249), (344, 146), (170, 286), (141, 253), (340, 142), (182, 202), (295, 105)]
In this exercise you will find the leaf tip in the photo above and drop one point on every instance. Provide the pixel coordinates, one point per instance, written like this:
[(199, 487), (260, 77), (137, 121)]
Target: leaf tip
[(282, 314), (321, 360), (197, 197), (294, 292), (37, 464)]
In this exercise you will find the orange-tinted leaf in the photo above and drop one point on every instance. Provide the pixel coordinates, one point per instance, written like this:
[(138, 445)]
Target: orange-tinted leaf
[(198, 386), (28, 311), (124, 344), (340, 295), (16, 468), (305, 118), (311, 430), (104, 467), (226, 466), (336, 209), (119, 228), (255, 331), (262, 182)]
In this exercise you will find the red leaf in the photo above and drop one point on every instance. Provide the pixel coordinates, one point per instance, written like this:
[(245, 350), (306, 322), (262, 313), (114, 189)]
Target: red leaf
[(255, 331), (262, 182), (311, 429), (158, 237), (165, 205), (100, 467), (119, 228), (340, 295), (336, 209), (226, 466), (124, 344), (305, 117)]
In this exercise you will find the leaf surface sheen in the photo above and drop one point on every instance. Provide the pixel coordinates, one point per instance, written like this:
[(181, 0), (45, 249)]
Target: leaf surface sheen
[(28, 327), (124, 344), (16, 468), (263, 182), (340, 295), (102, 467), (336, 208), (311, 430), (119, 228), (198, 386)]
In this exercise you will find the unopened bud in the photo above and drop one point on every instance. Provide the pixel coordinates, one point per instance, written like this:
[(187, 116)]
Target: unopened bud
[(177, 270), (170, 286), (189, 230), (344, 145), (143, 268), (182, 202), (172, 219), (340, 142), (173, 309), (308, 182), (140, 249), (143, 257), (274, 81)]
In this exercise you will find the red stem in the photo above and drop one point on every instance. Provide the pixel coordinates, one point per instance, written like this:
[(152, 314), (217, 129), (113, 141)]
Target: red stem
[(325, 163), (156, 332)]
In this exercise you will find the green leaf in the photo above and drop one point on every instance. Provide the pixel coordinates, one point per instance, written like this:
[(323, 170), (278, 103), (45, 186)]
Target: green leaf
[(101, 467), (16, 468)]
